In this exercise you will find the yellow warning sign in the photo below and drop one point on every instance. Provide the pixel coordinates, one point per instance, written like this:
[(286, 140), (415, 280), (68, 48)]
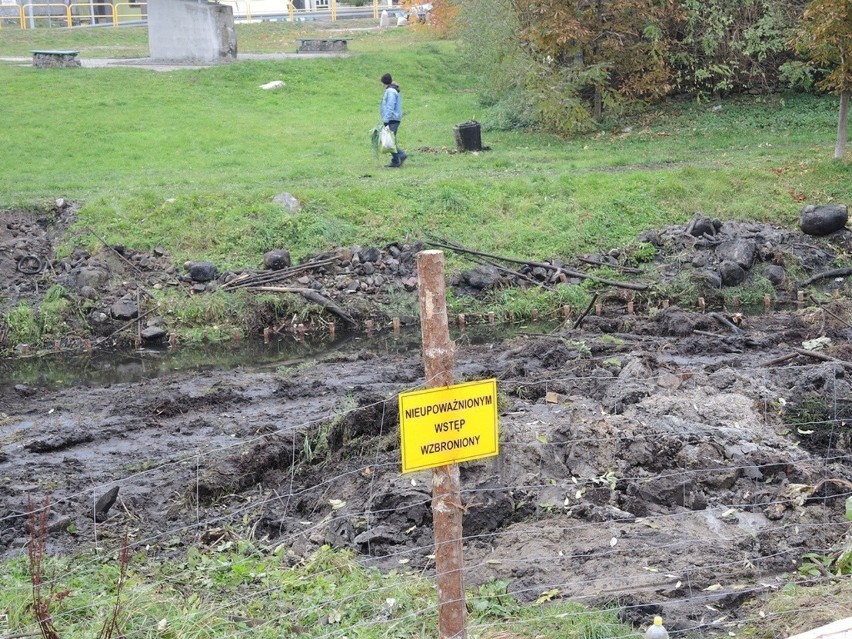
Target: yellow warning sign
[(448, 425)]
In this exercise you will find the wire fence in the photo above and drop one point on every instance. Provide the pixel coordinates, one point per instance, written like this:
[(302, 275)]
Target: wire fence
[(765, 508)]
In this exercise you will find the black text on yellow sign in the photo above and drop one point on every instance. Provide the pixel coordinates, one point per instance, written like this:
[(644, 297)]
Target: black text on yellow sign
[(448, 425)]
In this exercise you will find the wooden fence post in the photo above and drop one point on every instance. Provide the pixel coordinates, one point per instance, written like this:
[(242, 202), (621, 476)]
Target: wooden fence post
[(438, 357)]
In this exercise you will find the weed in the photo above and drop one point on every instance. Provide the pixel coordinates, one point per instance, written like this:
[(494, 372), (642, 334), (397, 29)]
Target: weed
[(22, 325), (639, 253)]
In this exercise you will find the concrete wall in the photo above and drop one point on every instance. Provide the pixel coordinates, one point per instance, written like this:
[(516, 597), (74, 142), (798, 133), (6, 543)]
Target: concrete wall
[(191, 31)]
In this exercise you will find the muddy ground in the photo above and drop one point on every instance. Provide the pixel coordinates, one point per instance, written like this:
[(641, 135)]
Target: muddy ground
[(669, 462)]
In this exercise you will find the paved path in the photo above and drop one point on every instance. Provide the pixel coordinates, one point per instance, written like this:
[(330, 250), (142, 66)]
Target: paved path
[(148, 63)]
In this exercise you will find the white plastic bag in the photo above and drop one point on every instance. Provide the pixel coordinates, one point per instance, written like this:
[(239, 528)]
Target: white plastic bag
[(387, 140)]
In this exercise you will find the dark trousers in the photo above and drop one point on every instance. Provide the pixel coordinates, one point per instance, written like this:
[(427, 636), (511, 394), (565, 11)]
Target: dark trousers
[(393, 125)]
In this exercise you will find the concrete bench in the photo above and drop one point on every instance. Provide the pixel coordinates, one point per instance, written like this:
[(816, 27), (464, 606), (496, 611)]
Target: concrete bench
[(317, 45), (45, 59)]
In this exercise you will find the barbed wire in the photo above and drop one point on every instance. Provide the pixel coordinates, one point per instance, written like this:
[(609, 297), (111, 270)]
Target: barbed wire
[(233, 513)]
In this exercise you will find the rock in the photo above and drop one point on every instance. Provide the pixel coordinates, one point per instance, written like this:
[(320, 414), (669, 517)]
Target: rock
[(775, 274), (276, 259), (739, 251), (201, 271), (822, 220), (369, 255), (88, 293), (55, 523), (288, 202), (153, 334), (90, 277), (104, 503), (709, 278), (198, 287), (25, 391), (124, 310), (159, 251), (369, 269), (704, 226), (344, 254), (481, 277), (731, 273), (539, 273)]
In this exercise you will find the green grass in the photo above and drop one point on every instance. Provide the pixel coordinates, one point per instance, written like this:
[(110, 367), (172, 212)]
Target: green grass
[(190, 159), (235, 588)]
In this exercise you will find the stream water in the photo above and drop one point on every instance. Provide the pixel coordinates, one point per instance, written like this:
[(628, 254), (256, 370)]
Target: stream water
[(103, 368)]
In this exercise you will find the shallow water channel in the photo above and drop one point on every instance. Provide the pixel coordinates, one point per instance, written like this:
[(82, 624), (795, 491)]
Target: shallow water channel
[(103, 368)]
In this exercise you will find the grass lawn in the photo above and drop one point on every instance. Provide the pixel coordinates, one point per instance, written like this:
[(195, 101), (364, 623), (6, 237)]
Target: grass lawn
[(190, 159)]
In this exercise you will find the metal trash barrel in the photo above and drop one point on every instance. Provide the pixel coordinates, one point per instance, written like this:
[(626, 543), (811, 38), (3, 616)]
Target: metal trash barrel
[(468, 136)]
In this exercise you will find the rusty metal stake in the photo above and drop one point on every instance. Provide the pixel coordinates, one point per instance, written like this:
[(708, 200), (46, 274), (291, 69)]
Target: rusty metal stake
[(438, 357)]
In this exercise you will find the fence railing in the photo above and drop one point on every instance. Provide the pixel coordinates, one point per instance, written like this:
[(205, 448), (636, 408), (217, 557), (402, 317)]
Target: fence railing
[(78, 13), (70, 14)]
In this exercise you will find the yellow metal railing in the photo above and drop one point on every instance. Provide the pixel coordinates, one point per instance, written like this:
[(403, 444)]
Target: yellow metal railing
[(11, 13), (76, 12)]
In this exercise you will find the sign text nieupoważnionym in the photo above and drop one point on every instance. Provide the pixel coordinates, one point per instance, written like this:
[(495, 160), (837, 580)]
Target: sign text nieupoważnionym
[(448, 425)]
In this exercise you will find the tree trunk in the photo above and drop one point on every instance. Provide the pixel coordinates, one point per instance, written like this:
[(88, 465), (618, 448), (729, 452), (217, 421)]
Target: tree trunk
[(842, 125), (597, 105)]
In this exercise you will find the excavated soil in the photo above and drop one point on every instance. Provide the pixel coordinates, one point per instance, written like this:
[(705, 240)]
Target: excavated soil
[(667, 462)]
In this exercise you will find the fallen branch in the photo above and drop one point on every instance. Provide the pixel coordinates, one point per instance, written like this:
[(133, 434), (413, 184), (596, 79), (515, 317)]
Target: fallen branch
[(780, 360), (618, 267), (724, 321), (248, 279), (823, 357), (312, 296), (545, 265), (836, 272), (828, 312), (586, 312)]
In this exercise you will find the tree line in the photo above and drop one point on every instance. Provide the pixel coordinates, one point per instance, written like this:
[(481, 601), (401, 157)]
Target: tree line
[(569, 66)]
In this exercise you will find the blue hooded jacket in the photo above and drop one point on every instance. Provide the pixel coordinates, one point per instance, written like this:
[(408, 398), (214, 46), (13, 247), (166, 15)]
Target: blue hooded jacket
[(391, 107)]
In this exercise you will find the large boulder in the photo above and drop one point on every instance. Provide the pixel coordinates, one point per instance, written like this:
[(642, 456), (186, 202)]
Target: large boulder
[(731, 273), (739, 251), (201, 271), (822, 220)]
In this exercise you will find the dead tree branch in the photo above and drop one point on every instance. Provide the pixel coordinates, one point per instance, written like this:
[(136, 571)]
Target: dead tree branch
[(559, 269)]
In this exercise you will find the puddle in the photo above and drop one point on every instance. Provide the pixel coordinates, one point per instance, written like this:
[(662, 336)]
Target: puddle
[(103, 368)]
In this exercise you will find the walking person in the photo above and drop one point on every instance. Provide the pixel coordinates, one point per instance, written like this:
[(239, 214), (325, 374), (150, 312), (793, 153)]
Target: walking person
[(391, 112)]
